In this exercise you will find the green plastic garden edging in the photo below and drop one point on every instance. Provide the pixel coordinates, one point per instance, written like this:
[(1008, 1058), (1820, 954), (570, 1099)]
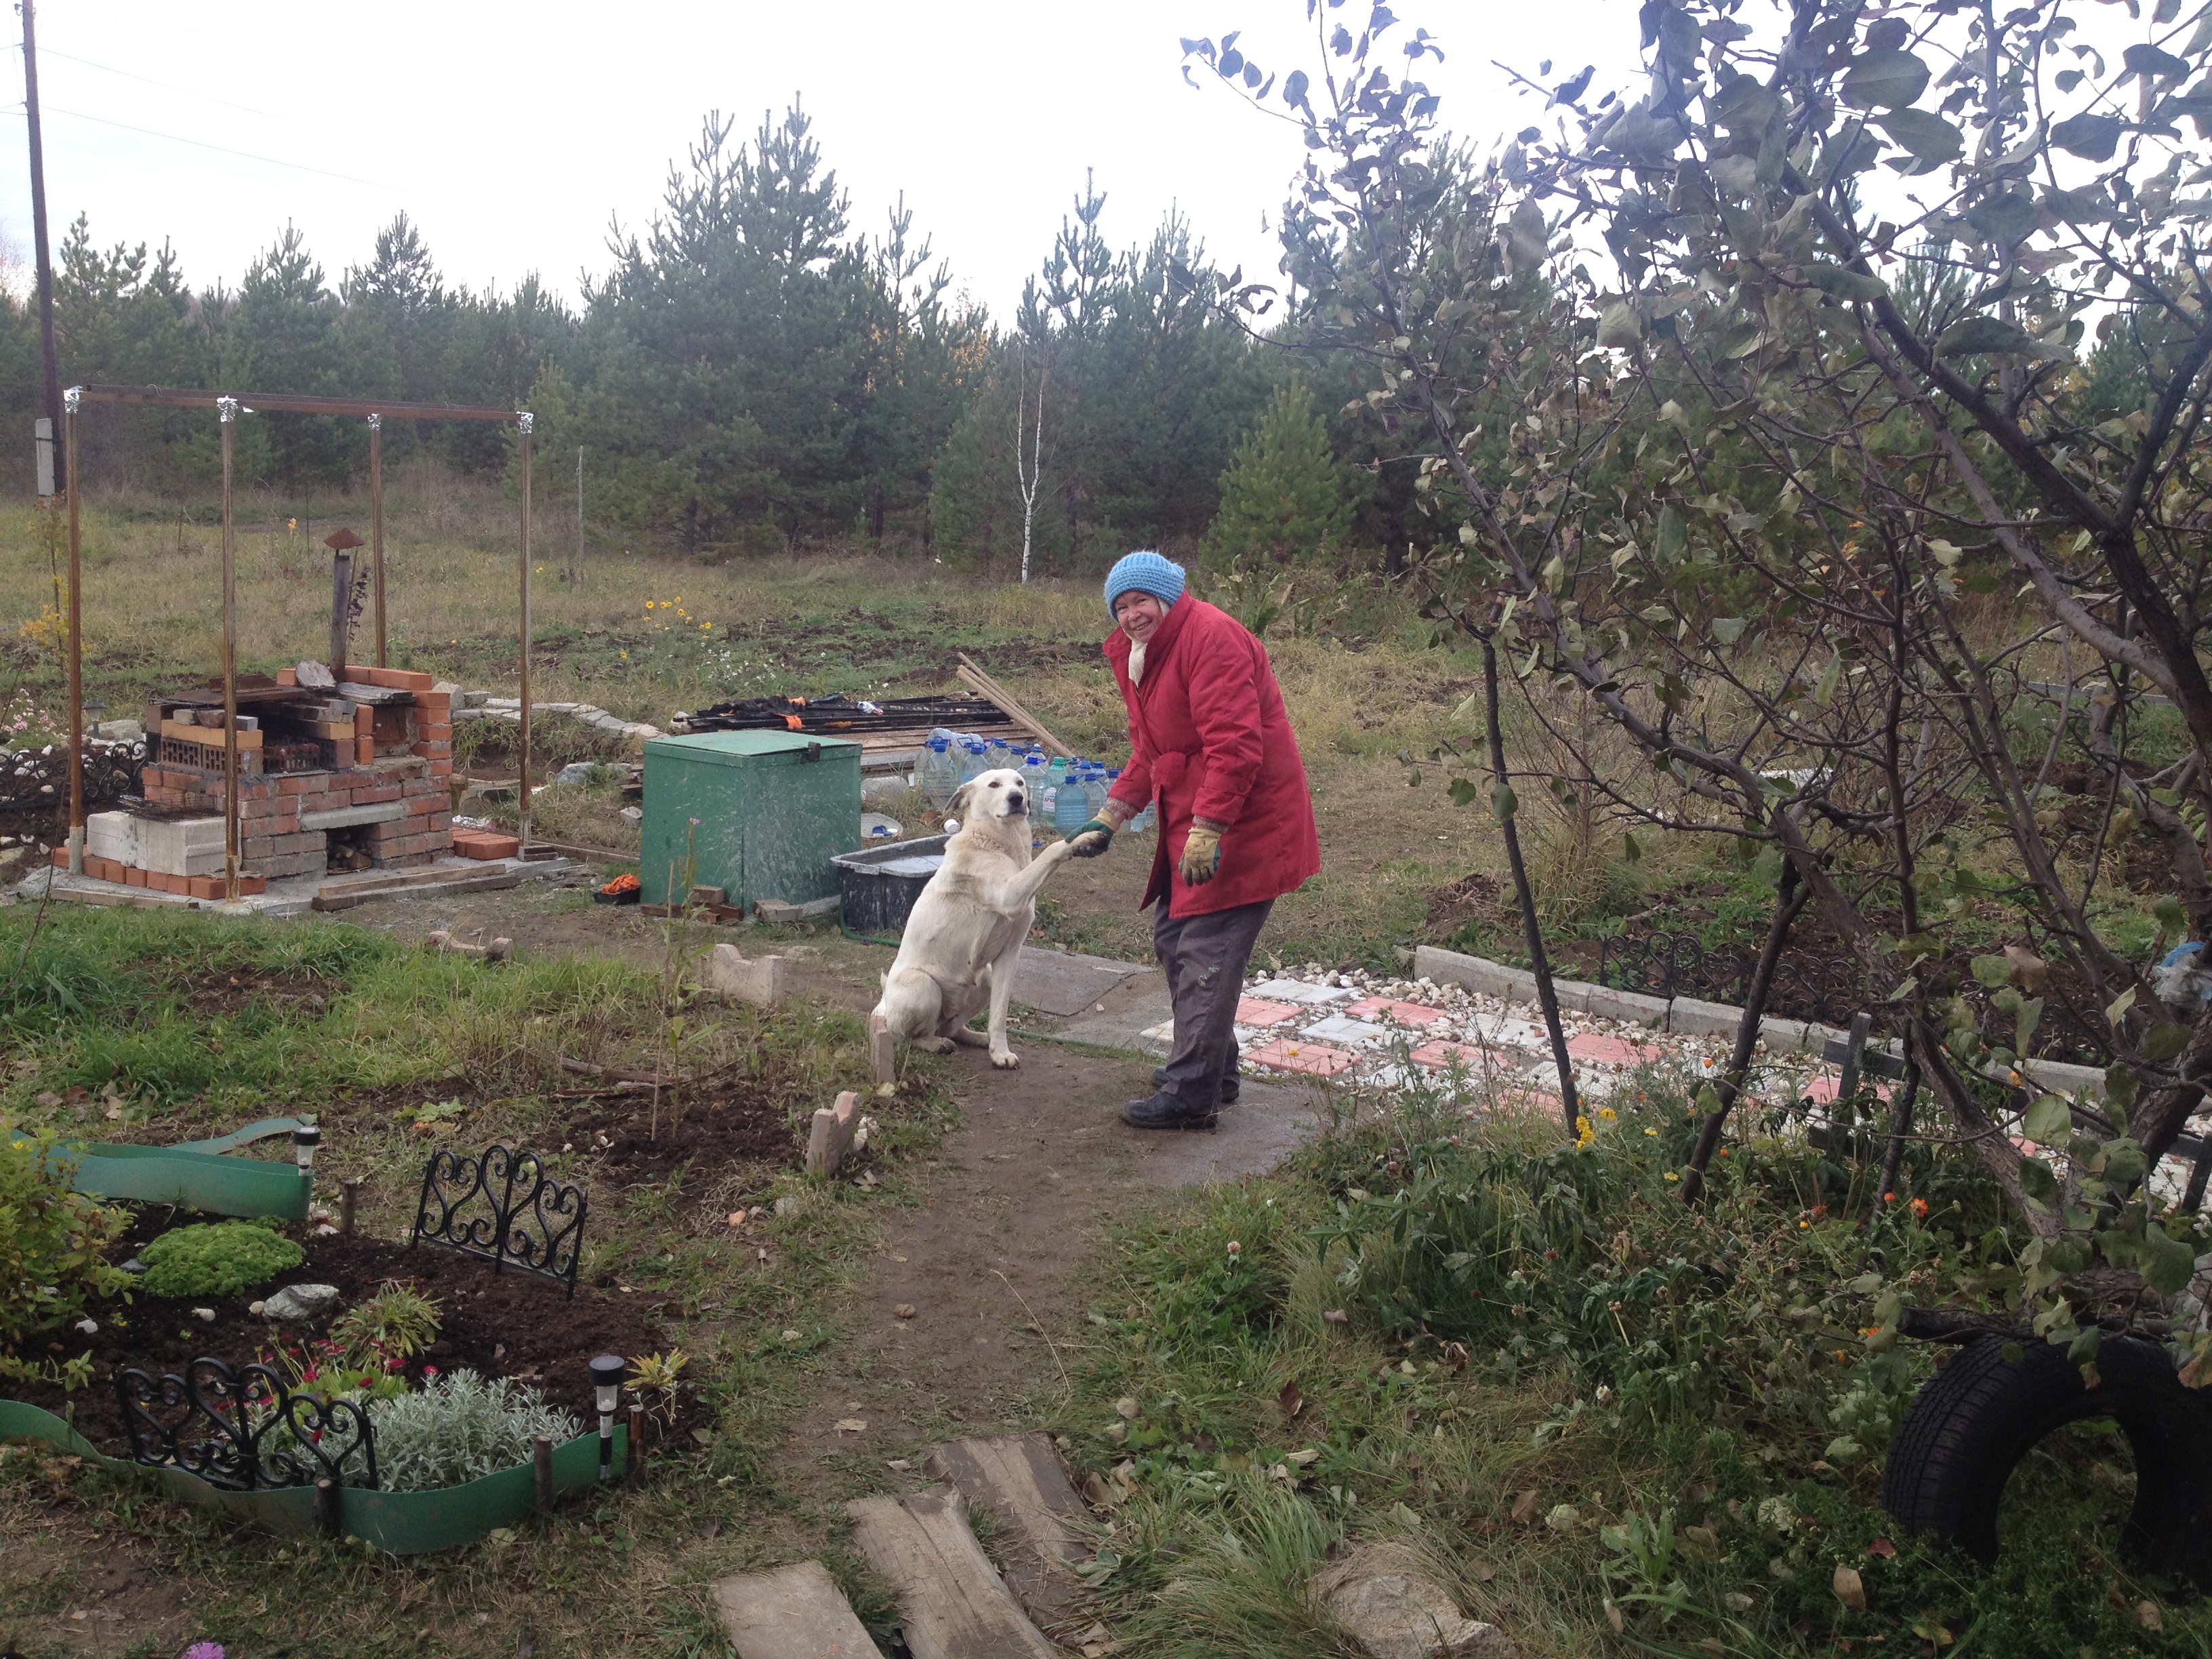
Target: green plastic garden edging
[(196, 1175), (400, 1522)]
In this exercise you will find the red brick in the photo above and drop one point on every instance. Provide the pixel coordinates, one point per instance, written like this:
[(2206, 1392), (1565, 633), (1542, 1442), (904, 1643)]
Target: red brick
[(364, 721), (61, 858), (307, 840), (294, 783), (103, 869), (483, 844), (435, 703), (434, 750), (177, 884), (364, 750), (247, 884), (441, 769), (421, 806), (288, 677), (254, 848), (375, 794), (133, 875), (423, 784), (205, 887), (434, 731), (441, 819), (402, 679)]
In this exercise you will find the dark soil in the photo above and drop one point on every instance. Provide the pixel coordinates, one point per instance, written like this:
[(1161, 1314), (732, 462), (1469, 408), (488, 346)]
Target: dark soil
[(507, 1324), (719, 1124), (283, 993)]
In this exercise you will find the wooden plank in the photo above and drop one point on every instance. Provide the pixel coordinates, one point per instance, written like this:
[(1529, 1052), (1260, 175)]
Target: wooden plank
[(346, 897), (1019, 1479), (972, 676), (795, 1612), (953, 1604)]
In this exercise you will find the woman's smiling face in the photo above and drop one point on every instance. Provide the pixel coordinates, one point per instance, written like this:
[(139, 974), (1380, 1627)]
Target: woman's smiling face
[(1139, 613)]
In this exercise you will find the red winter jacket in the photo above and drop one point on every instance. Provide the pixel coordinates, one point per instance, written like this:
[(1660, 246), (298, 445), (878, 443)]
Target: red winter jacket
[(1208, 734)]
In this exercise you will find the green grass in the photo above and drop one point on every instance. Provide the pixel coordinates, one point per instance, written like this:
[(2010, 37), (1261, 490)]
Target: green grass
[(100, 998), (1253, 1408)]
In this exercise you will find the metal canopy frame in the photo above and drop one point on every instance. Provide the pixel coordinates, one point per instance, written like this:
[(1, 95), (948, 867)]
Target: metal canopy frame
[(227, 408)]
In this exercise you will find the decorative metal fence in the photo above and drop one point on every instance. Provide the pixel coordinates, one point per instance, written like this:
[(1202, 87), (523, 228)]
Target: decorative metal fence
[(504, 1208), (36, 778), (243, 1431)]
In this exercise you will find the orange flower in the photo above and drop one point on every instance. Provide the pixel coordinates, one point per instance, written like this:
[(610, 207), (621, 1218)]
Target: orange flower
[(1920, 1207)]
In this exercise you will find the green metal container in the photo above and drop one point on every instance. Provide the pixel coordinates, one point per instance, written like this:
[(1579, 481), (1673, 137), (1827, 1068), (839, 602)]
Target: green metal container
[(774, 808)]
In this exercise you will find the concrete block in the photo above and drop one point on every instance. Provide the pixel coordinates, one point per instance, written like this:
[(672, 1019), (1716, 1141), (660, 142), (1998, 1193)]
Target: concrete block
[(883, 1055), (748, 978), (2061, 1079), (345, 817), (1689, 1017), (1476, 973), (1606, 1003), (1783, 1037), (1573, 994)]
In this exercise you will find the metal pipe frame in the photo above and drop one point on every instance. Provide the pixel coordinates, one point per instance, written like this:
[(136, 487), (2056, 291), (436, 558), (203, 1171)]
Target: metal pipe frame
[(227, 408)]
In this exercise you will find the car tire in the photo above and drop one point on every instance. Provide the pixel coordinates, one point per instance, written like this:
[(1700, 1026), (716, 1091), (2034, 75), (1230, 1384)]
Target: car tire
[(1973, 1421)]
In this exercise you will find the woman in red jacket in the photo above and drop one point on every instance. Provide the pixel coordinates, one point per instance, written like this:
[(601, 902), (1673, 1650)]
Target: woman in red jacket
[(1209, 741)]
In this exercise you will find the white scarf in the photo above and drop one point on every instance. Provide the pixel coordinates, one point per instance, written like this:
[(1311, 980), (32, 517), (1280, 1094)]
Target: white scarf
[(1137, 663)]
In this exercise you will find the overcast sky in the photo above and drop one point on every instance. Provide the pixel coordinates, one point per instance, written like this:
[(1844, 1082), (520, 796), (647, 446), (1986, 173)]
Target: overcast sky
[(511, 135)]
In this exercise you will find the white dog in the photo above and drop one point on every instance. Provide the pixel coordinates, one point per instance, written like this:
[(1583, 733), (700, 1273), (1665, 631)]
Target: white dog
[(964, 939)]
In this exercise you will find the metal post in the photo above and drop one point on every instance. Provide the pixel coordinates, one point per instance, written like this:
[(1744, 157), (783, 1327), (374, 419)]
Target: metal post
[(376, 525), (525, 421), (226, 413), (75, 624), (53, 388)]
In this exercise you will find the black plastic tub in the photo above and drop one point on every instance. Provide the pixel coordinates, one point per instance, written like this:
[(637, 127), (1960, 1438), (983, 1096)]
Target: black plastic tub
[(881, 883)]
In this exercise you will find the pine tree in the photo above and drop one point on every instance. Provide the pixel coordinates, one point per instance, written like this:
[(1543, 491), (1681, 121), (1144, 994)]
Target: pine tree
[(1283, 497)]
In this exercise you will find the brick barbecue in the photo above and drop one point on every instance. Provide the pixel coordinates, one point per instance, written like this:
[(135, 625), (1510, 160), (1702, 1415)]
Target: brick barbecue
[(355, 774)]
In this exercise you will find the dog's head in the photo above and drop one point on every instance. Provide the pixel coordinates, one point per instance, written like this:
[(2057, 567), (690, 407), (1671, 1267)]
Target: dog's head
[(1003, 793)]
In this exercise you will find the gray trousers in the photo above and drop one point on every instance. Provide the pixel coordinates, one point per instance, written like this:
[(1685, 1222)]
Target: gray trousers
[(1204, 958)]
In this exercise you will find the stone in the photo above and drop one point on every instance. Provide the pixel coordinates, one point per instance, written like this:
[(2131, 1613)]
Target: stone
[(758, 980), (1476, 973), (314, 675), (1633, 1006), (1387, 1602), (1686, 1016), (301, 1301)]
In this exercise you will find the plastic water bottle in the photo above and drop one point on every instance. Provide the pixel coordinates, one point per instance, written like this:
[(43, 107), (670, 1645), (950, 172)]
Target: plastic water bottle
[(1072, 809), (971, 761), (1046, 808), (1094, 790), (931, 775), (1033, 783)]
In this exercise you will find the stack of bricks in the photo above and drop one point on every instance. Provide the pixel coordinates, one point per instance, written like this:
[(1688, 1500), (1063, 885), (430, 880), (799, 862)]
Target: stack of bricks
[(286, 818)]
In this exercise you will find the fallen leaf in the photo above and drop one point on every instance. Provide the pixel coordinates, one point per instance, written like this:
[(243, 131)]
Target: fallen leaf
[(1290, 1401), (852, 1426), (1881, 1546), (737, 1218), (1613, 1616), (904, 1310), (46, 1101), (1849, 1588), (1304, 1457), (1336, 1316), (903, 1465), (1524, 1507), (2148, 1616), (1126, 1407)]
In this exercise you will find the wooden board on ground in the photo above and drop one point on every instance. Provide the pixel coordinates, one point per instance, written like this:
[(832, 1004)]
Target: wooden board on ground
[(971, 675), (953, 1602), (1019, 1479), (344, 898), (795, 1611)]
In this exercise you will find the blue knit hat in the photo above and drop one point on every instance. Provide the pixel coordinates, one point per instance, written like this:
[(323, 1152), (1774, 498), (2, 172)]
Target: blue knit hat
[(1144, 572)]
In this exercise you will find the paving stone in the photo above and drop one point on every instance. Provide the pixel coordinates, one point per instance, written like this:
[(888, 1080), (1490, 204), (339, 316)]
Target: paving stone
[(1405, 1013), (1444, 1056), (1308, 1059), (1297, 990), (1258, 1010), (1611, 1051), (1337, 1027)]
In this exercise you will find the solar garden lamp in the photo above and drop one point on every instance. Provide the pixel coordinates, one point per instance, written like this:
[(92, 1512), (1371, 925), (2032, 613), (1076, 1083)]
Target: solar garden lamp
[(606, 1382), (305, 1140)]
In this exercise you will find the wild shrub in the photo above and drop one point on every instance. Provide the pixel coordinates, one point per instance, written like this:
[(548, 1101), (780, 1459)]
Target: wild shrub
[(52, 1240), (393, 1326), (461, 1428), (218, 1258)]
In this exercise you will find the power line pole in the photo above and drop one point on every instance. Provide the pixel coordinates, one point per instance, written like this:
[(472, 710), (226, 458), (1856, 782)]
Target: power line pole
[(39, 231)]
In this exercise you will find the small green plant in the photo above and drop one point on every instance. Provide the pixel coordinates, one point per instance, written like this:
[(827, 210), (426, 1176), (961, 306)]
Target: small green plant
[(393, 1326), (67, 1375), (653, 1381), (461, 1428), (218, 1258), (52, 1240)]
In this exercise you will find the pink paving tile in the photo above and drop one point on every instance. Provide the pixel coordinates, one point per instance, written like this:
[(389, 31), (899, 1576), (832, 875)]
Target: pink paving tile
[(1310, 1059), (1446, 1055), (1611, 1051), (1258, 1010), (1406, 1013), (1823, 1089)]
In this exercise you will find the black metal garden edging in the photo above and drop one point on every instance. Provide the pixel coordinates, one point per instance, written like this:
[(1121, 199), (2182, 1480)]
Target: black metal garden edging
[(1824, 988), (243, 1430), (502, 1207)]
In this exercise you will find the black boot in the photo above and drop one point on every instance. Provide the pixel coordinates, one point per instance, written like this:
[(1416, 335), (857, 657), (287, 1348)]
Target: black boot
[(1166, 1111)]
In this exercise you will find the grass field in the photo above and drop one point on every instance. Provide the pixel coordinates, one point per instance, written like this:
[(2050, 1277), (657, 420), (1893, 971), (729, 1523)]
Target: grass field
[(645, 635)]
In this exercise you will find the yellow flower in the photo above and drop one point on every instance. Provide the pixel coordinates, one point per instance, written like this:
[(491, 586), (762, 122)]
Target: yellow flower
[(1607, 1113), (291, 523), (1671, 1176)]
